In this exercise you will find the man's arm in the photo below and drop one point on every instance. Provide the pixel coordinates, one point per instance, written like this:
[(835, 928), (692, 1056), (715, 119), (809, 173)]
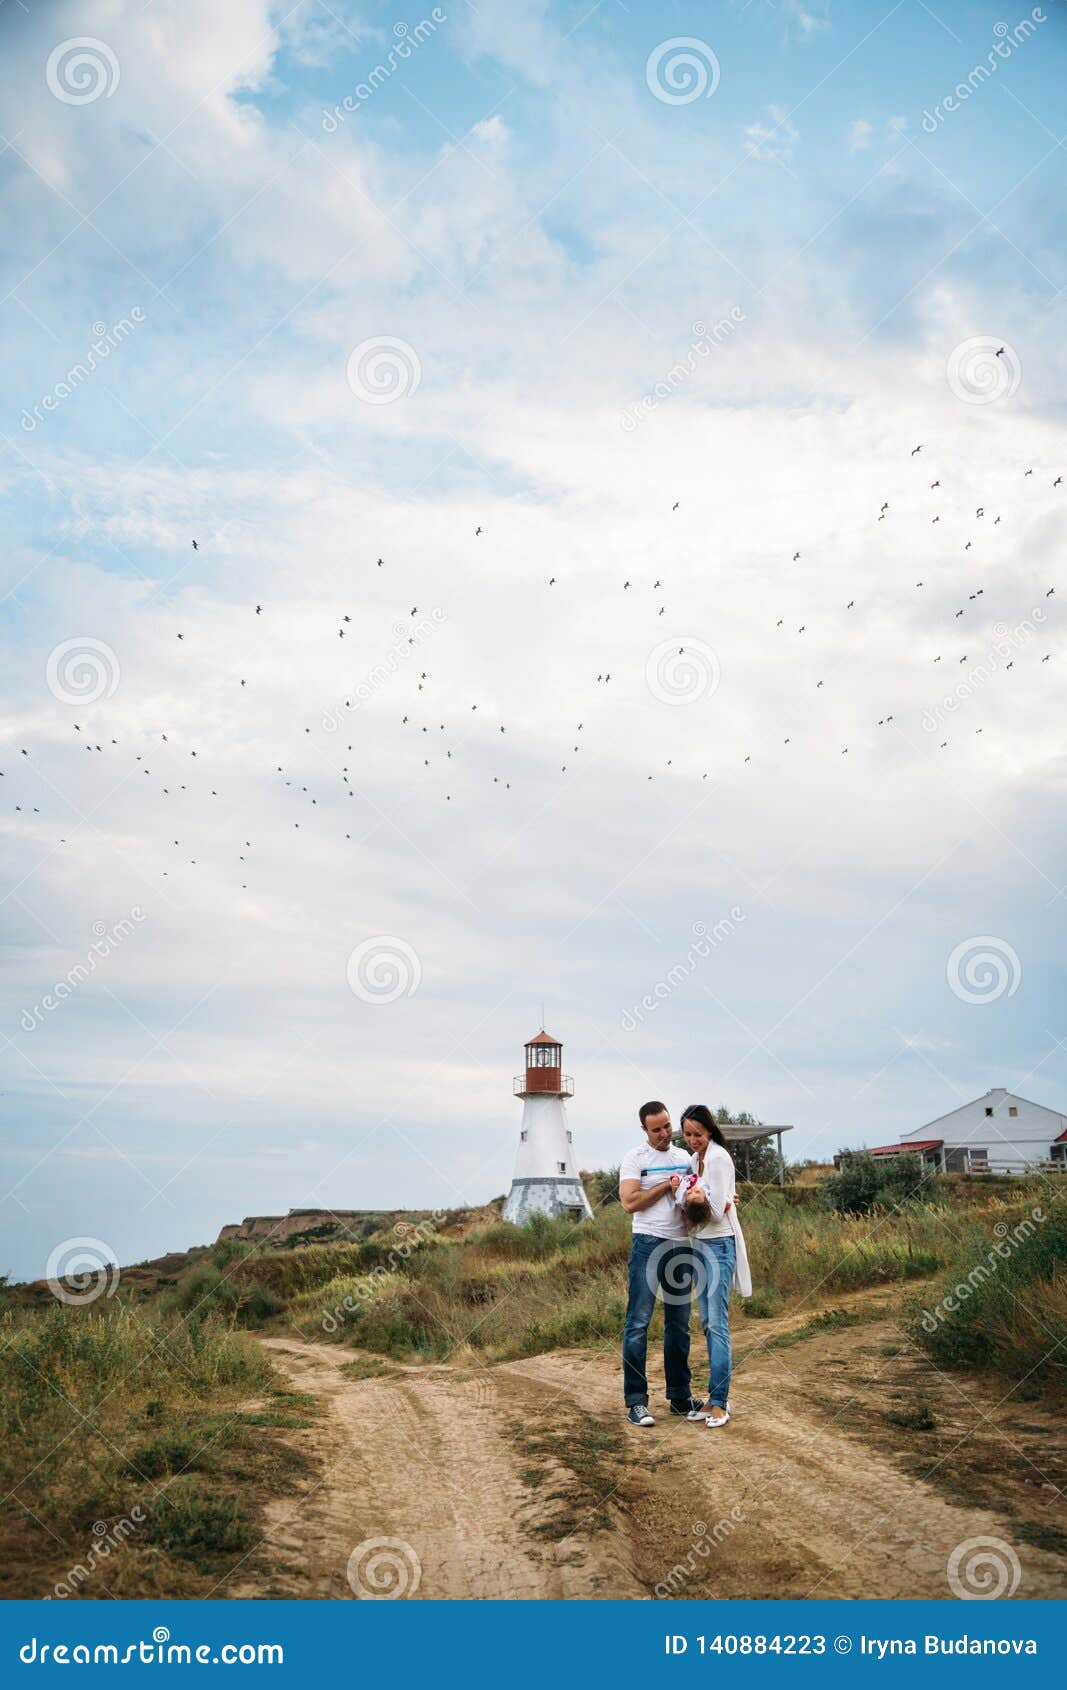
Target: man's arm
[(633, 1199)]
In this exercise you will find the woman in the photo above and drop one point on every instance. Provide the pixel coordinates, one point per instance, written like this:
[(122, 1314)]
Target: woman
[(709, 1201)]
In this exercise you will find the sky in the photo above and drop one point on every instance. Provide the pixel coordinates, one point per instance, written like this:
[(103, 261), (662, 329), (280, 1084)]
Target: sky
[(485, 352)]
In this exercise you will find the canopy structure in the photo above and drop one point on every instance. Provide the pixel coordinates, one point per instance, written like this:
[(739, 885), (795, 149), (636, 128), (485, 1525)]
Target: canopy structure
[(751, 1135)]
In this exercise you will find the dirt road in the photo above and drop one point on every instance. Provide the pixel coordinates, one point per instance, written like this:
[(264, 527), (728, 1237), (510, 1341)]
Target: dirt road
[(523, 1480)]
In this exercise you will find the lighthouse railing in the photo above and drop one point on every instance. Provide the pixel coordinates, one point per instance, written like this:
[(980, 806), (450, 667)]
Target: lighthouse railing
[(543, 1082)]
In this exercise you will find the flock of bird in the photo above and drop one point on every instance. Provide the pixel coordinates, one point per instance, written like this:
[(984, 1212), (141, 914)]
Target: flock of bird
[(31, 781)]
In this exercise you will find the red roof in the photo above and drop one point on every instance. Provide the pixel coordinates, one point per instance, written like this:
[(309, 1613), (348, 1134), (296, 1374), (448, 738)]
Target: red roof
[(543, 1038), (902, 1149), (1062, 1138)]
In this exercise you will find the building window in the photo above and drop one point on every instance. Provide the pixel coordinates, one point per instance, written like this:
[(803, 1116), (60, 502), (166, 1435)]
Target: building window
[(1012, 1109), (562, 1166), (523, 1136), (979, 1160), (570, 1138), (989, 1111)]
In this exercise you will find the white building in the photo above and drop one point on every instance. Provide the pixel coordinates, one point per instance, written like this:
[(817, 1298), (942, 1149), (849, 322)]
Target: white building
[(999, 1133), (546, 1174)]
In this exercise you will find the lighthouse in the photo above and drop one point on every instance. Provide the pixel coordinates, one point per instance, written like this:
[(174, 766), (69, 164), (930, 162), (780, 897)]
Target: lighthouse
[(546, 1180)]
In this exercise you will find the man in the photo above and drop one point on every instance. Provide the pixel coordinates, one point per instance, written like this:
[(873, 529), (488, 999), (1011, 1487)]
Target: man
[(661, 1259)]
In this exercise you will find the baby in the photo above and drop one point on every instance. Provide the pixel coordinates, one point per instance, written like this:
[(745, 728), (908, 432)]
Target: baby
[(691, 1198)]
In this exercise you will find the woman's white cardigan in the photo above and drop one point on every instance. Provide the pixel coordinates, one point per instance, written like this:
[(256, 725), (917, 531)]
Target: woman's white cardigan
[(719, 1185)]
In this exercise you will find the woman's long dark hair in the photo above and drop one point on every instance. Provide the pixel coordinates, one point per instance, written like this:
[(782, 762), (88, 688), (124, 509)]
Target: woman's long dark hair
[(702, 1115)]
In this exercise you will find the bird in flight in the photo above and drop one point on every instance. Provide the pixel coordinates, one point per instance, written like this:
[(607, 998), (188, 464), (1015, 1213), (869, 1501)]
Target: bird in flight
[(915, 449), (196, 547)]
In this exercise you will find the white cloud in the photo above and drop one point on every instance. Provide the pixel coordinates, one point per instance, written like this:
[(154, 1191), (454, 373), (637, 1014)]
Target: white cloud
[(859, 135), (773, 141)]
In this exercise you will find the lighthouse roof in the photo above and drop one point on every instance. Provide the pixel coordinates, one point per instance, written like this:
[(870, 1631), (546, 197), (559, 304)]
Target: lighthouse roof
[(543, 1038)]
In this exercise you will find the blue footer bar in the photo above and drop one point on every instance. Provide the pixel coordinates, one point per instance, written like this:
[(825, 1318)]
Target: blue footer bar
[(546, 1646)]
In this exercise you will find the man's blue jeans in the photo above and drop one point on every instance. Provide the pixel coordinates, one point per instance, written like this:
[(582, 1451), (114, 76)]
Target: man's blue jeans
[(719, 1256), (658, 1265)]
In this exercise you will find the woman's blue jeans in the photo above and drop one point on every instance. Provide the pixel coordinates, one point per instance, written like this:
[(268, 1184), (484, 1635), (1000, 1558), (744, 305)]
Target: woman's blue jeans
[(715, 1276)]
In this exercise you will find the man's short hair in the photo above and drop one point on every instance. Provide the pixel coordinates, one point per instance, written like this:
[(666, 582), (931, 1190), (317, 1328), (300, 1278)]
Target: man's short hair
[(653, 1108)]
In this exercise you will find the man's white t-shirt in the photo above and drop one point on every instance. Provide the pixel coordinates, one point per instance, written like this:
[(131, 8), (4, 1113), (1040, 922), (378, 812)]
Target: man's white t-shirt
[(662, 1219)]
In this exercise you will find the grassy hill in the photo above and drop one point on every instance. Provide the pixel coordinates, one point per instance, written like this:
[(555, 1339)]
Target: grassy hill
[(155, 1415)]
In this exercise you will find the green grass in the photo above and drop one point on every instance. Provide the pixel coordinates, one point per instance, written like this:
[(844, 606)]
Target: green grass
[(575, 1470), (119, 1412), (1002, 1303), (919, 1419), (504, 1291), (827, 1320)]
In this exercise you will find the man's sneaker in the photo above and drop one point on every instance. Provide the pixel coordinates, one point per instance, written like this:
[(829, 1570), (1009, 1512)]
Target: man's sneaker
[(639, 1415), (690, 1408)]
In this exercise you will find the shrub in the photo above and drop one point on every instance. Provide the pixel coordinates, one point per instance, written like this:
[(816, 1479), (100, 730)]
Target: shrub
[(236, 1298), (602, 1187), (863, 1182), (1003, 1302)]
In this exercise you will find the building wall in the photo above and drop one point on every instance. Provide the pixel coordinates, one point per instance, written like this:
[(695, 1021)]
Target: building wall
[(546, 1173), (1013, 1142), (545, 1145)]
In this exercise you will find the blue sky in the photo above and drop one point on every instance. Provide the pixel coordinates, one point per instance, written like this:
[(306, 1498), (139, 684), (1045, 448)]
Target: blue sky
[(587, 304)]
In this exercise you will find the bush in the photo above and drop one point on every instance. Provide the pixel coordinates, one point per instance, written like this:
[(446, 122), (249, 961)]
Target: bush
[(602, 1187), (864, 1182), (1003, 1302), (235, 1298)]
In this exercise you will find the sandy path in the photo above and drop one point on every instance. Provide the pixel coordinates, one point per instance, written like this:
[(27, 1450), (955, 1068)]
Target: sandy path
[(787, 1501), (423, 1457)]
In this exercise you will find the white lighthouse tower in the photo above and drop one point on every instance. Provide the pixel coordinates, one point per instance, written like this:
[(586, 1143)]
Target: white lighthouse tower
[(546, 1175)]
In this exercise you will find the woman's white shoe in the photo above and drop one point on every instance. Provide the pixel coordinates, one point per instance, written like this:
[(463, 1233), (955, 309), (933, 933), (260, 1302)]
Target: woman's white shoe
[(719, 1418)]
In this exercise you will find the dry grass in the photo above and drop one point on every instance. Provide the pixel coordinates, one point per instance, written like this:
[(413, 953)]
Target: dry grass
[(131, 1467)]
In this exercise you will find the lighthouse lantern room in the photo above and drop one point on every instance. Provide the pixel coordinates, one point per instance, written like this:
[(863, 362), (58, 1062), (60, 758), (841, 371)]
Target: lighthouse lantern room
[(546, 1175)]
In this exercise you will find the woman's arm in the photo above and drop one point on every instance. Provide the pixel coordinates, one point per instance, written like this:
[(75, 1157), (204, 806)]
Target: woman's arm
[(717, 1180)]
